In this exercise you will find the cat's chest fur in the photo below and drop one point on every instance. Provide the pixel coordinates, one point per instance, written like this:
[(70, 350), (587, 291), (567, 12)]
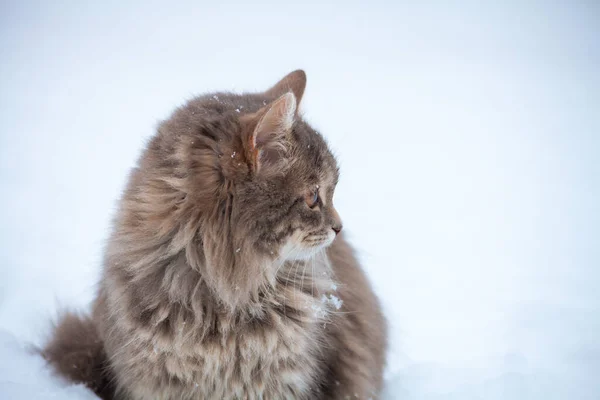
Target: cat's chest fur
[(276, 353)]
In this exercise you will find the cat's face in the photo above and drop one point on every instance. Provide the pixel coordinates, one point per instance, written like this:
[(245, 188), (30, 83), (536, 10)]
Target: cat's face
[(282, 174), (287, 196), (292, 211)]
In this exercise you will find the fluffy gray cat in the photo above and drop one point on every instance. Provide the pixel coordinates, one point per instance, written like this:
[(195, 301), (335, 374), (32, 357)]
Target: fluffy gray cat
[(226, 275)]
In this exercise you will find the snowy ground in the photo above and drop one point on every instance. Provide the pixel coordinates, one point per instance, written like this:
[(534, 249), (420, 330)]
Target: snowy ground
[(469, 138)]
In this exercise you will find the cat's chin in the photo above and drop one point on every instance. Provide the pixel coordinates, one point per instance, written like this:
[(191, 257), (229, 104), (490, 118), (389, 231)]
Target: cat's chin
[(306, 254)]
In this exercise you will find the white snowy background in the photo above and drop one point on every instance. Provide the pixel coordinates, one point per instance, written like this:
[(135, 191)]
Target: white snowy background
[(469, 140)]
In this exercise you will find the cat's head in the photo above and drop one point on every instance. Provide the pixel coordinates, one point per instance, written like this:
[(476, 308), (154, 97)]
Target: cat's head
[(256, 182), (287, 196)]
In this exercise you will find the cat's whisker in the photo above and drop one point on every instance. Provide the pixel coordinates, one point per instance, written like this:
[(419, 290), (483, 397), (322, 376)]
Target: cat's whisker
[(294, 278), (295, 262), (312, 286), (303, 272), (283, 259), (281, 264)]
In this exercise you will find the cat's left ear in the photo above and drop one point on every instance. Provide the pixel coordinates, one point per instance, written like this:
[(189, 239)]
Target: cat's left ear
[(267, 133), (294, 82)]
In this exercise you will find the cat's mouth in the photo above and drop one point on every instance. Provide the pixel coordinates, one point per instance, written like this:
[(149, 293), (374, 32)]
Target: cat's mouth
[(304, 246), (319, 239)]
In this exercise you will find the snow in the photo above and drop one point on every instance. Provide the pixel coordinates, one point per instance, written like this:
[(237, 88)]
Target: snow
[(468, 137), (332, 300)]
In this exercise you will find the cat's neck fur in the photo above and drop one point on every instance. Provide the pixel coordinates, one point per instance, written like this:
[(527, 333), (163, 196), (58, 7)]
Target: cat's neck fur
[(169, 286)]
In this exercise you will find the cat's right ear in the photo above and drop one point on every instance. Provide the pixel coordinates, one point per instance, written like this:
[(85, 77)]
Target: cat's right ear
[(268, 130), (294, 82)]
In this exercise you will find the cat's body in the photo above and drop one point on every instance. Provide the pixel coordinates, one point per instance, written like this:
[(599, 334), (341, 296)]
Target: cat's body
[(222, 278)]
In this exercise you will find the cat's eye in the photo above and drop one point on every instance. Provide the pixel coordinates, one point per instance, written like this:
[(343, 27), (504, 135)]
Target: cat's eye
[(312, 198)]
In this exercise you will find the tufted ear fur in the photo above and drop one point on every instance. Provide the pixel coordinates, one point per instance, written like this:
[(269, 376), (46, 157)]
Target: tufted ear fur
[(265, 141)]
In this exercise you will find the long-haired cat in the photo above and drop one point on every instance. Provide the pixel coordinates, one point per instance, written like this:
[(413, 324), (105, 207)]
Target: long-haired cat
[(226, 276)]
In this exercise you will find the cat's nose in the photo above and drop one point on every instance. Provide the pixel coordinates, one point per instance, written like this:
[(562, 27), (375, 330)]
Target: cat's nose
[(336, 222)]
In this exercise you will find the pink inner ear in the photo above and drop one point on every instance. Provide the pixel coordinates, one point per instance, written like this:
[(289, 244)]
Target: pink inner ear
[(268, 138)]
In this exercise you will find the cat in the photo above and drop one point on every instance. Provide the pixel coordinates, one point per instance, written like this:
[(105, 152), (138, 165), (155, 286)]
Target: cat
[(226, 275)]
